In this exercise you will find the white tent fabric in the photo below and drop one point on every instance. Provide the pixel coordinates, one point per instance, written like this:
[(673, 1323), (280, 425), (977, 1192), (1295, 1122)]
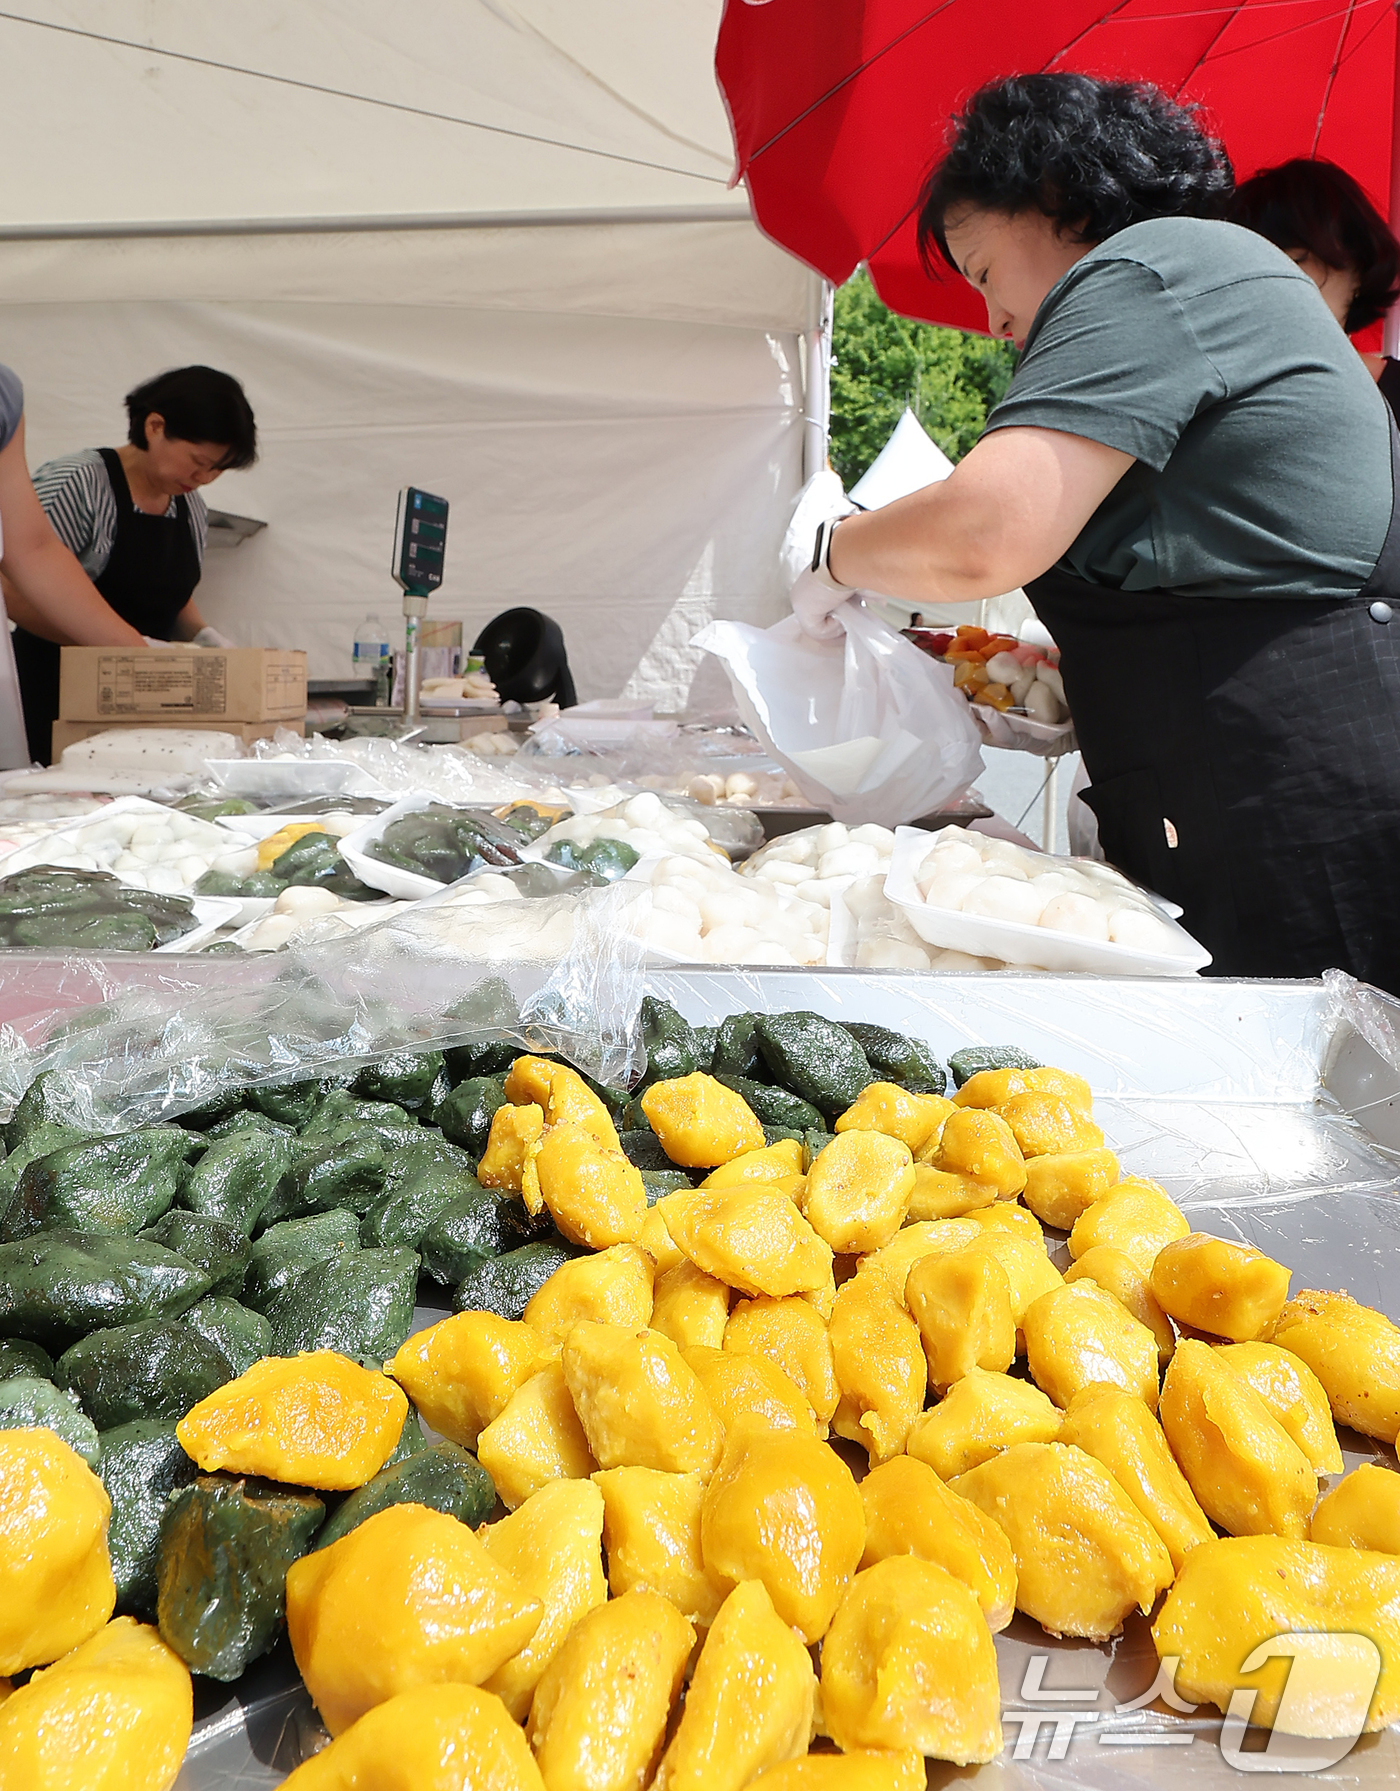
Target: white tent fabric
[(909, 460), (483, 246)]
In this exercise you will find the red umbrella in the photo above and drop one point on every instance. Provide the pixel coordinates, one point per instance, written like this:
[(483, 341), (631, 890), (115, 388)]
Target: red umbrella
[(839, 107)]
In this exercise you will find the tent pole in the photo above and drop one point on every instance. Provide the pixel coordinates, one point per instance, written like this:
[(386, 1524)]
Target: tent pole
[(1391, 335), (816, 438)]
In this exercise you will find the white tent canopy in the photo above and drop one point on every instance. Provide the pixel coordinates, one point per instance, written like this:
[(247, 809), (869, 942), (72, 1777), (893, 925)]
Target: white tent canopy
[(483, 246), (909, 460)]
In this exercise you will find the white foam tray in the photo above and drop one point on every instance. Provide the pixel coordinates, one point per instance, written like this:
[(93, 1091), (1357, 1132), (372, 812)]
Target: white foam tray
[(408, 886), (1014, 943), (1013, 729)]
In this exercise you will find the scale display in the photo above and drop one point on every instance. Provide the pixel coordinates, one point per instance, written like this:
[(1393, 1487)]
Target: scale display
[(420, 541)]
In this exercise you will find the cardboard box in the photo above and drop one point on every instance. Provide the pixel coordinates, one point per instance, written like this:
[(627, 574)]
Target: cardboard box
[(182, 684), (66, 732)]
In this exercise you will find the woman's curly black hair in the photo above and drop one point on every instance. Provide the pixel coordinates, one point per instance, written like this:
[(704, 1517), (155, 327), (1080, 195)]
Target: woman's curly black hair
[(1319, 207), (1094, 156)]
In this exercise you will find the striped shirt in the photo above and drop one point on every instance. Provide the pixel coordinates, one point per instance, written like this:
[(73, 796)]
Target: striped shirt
[(11, 405), (79, 501)]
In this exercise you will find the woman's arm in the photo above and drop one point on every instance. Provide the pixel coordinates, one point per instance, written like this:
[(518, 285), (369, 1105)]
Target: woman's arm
[(1004, 515), (23, 613), (52, 587), (188, 623)]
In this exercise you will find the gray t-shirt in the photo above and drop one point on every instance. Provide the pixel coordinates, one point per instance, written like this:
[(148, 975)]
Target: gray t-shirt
[(1261, 441), (11, 405)]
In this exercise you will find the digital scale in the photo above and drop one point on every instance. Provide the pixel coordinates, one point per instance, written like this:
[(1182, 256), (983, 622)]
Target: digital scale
[(420, 546)]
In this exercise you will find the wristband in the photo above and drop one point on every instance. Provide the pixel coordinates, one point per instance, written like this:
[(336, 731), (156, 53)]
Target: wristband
[(821, 555)]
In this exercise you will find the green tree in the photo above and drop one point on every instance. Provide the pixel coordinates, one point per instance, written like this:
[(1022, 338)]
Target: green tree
[(882, 362)]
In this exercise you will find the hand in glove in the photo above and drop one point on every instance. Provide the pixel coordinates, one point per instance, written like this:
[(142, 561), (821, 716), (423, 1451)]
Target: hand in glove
[(210, 637), (818, 607), (822, 498)]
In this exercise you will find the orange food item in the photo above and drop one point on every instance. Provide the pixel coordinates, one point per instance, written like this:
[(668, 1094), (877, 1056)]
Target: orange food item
[(995, 696), (113, 1715), (514, 1137), (409, 1597), (314, 1420), (432, 1738), (56, 1585)]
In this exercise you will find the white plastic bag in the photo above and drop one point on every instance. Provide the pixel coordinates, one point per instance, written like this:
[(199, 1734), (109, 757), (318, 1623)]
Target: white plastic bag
[(870, 728)]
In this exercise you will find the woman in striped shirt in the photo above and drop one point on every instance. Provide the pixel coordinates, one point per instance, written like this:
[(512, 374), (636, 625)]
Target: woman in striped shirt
[(135, 520)]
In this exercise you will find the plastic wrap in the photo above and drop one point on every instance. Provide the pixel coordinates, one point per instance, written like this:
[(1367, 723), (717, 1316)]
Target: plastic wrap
[(1211, 1087), (737, 831), (376, 767), (108, 839), (718, 766), (703, 912), (1370, 1012), (1363, 1062), (357, 849), (129, 1046), (1135, 936), (291, 768)]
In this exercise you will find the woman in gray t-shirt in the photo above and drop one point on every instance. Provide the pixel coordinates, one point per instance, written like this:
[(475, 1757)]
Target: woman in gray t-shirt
[(43, 570), (1192, 476)]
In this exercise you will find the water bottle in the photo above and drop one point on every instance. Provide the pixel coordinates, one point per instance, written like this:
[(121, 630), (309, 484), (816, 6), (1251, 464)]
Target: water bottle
[(374, 657)]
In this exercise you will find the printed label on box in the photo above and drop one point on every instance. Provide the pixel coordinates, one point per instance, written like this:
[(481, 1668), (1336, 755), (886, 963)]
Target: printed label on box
[(284, 684), (162, 684)]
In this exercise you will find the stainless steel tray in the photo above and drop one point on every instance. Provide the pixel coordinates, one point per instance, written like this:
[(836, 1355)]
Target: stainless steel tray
[(1214, 1088)]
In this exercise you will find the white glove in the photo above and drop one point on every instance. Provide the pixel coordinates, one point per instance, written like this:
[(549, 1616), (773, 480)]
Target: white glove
[(210, 637), (818, 608), (821, 497)]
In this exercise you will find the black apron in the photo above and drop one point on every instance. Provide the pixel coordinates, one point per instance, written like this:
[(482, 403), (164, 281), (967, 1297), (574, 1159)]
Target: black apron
[(1245, 760), (149, 577)]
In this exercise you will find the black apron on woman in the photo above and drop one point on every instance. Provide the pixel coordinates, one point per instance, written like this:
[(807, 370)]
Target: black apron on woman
[(149, 577), (1249, 768)]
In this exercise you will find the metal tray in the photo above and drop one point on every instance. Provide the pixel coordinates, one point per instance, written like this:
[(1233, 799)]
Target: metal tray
[(1217, 1090)]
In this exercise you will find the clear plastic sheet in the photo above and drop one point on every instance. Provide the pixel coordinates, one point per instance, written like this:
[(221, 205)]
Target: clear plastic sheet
[(129, 1045), (718, 766), (1214, 1088), (392, 769), (398, 768), (1363, 1065), (1370, 1012)]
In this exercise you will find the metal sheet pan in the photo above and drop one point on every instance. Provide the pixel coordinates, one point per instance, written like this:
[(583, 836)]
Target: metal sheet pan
[(1214, 1088)]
